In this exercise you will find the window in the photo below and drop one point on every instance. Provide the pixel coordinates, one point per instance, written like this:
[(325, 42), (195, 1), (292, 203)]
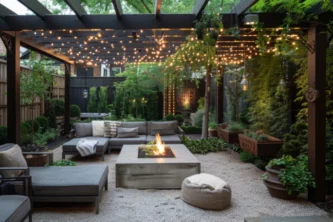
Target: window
[(105, 72)]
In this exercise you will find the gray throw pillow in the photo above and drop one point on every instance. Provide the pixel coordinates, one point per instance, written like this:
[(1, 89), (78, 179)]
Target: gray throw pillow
[(12, 157), (164, 128), (127, 132), (83, 129)]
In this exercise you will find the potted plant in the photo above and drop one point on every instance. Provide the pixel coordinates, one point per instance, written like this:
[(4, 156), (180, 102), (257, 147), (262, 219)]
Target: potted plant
[(259, 144), (212, 129), (287, 177), (229, 132)]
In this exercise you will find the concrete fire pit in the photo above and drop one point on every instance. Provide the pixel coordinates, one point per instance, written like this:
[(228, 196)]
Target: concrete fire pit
[(155, 173)]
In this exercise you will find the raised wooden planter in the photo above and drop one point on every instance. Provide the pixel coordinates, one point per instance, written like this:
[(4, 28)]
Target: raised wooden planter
[(227, 136), (212, 132), (268, 148), (36, 160)]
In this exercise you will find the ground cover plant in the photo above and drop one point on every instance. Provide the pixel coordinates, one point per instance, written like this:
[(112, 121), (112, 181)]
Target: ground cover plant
[(204, 146)]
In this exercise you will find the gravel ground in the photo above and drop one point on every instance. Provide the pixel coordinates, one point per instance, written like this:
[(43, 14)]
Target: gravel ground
[(250, 197)]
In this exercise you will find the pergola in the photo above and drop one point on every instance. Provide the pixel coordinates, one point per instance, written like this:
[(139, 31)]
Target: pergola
[(132, 38)]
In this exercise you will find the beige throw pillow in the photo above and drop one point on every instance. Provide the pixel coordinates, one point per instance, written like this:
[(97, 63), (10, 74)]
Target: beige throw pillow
[(12, 157), (110, 128), (98, 128)]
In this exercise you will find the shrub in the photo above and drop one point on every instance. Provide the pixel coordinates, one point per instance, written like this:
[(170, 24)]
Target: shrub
[(247, 157), (180, 119), (198, 118), (3, 135), (258, 135), (212, 125), (169, 117), (235, 127), (191, 129), (36, 125), (58, 106), (75, 111), (63, 163), (43, 122), (260, 163), (204, 146), (42, 139)]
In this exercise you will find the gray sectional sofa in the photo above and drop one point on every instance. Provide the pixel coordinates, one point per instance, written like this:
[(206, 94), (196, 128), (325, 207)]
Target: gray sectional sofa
[(169, 130)]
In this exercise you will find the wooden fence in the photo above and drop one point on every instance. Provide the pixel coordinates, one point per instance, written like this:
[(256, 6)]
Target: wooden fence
[(58, 91)]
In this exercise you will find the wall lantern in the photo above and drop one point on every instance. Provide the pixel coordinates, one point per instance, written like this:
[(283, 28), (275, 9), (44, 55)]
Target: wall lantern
[(251, 19), (244, 83), (85, 93)]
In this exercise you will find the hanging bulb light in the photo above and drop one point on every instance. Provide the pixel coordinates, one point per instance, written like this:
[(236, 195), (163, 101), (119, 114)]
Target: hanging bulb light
[(244, 83)]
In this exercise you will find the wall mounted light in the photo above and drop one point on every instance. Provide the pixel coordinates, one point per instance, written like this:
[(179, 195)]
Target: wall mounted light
[(85, 93), (244, 83), (251, 19)]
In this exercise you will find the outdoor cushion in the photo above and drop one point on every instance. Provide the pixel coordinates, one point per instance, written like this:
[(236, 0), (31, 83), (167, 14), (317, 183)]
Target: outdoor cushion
[(68, 180), (131, 140), (14, 208), (110, 128), (163, 128), (83, 129), (168, 139), (101, 146), (97, 128), (127, 132), (141, 125), (11, 156), (206, 191)]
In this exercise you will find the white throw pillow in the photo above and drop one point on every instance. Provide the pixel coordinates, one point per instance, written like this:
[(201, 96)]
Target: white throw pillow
[(12, 158), (98, 128)]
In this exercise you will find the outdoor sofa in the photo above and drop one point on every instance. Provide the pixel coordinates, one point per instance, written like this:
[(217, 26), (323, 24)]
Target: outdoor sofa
[(55, 183), (169, 131)]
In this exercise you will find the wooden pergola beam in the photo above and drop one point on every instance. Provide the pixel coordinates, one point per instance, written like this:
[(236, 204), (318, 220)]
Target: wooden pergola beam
[(117, 8), (76, 6), (242, 6), (158, 4), (36, 7), (199, 7)]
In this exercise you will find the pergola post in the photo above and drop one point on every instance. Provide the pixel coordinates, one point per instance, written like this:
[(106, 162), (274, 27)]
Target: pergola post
[(317, 38), (67, 98), (12, 44)]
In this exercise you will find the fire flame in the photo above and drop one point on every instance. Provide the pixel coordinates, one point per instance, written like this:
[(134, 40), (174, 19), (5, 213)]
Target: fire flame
[(160, 145)]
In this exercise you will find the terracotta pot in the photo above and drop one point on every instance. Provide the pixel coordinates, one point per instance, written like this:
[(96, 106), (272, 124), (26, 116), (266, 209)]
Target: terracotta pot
[(212, 132), (36, 160), (227, 136), (275, 187), (267, 148)]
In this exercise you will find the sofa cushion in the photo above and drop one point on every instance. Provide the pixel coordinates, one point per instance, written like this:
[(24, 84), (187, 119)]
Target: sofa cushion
[(101, 146), (68, 180), (127, 132), (11, 156), (167, 139), (97, 128), (141, 125), (83, 129), (163, 128), (110, 128), (14, 207), (132, 140)]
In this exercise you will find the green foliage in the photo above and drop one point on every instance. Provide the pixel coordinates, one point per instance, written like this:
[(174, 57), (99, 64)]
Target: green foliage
[(191, 129), (212, 125), (102, 103), (58, 106), (25, 136), (204, 146), (294, 173), (247, 157), (169, 117), (35, 123), (3, 135), (92, 102), (75, 111), (198, 118), (235, 127), (43, 122), (63, 163), (138, 94), (201, 103), (258, 135), (296, 141), (180, 119), (42, 139)]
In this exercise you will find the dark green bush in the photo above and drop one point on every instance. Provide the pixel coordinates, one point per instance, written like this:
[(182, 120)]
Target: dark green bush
[(3, 135), (204, 146), (247, 157), (58, 106), (43, 122), (180, 119), (198, 118), (63, 163), (26, 136), (260, 163), (75, 111), (169, 117), (42, 139), (36, 125), (191, 129)]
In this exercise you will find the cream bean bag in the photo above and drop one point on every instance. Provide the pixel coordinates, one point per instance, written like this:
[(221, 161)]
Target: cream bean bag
[(206, 191)]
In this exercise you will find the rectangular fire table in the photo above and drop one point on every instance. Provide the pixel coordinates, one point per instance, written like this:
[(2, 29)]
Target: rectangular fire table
[(155, 173)]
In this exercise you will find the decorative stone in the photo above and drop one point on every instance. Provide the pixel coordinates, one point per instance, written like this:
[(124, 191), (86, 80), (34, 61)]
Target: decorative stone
[(206, 192)]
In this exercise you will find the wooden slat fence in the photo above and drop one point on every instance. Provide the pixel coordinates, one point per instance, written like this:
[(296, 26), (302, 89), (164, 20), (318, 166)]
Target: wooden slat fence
[(38, 106)]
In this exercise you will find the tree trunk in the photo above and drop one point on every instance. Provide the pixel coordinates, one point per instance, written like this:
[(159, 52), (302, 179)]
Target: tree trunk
[(205, 120)]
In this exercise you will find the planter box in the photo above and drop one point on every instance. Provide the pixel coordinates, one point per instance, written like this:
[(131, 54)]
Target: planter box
[(36, 160), (227, 136), (268, 148)]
